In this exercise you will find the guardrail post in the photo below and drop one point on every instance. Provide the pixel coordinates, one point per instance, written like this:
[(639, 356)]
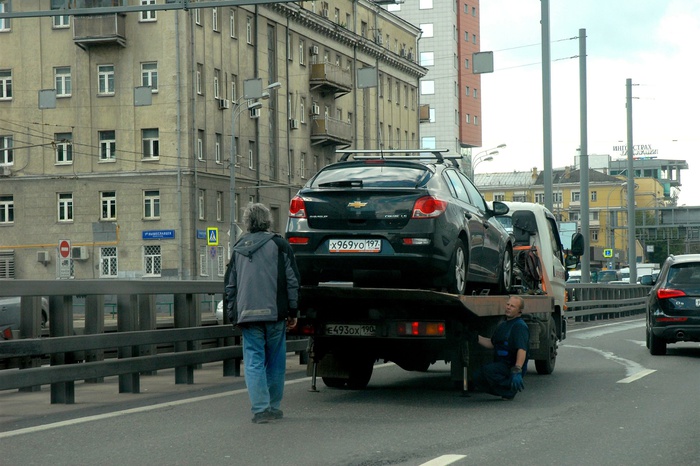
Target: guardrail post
[(127, 317), (232, 367), (30, 327), (61, 319), (94, 325), (147, 321), (184, 317)]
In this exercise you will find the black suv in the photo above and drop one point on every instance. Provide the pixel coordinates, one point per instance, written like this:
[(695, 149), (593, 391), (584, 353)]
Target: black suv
[(673, 306), (389, 220)]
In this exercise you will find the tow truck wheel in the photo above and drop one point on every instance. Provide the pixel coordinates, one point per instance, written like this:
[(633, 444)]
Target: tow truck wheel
[(359, 374), (333, 382), (546, 366), (457, 273)]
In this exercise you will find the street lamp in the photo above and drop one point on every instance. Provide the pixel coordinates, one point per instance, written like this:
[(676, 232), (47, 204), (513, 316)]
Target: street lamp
[(483, 156), (252, 90)]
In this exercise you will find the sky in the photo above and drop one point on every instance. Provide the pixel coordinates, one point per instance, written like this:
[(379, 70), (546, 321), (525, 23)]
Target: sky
[(655, 44)]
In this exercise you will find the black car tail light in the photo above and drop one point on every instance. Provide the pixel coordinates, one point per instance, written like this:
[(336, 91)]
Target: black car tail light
[(665, 293), (297, 208), (428, 207), (298, 240)]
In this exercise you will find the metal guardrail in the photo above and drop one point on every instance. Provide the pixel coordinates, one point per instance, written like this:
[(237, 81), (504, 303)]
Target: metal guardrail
[(596, 301), (135, 340)]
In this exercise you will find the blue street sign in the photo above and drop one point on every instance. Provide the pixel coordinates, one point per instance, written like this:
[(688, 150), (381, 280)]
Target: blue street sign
[(158, 234)]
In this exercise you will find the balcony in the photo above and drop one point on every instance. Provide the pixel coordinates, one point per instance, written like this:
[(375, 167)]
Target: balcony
[(424, 113), (330, 79), (97, 30), (329, 131)]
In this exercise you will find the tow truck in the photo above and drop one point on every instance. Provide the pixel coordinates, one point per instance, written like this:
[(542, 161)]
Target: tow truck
[(351, 328)]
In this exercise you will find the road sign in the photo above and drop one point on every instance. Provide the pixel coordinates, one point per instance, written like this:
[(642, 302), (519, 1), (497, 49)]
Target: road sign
[(607, 252), (212, 236), (64, 248)]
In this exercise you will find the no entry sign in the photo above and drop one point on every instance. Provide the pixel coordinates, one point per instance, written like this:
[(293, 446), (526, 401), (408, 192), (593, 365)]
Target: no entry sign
[(64, 248)]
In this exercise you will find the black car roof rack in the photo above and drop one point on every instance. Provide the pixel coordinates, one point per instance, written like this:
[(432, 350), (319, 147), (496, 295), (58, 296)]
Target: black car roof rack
[(396, 154)]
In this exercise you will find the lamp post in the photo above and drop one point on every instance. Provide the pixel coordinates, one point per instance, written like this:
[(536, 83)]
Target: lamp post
[(252, 90), (483, 156)]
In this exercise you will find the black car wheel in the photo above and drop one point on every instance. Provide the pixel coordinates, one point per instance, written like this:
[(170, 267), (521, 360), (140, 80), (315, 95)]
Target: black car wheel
[(505, 275), (457, 273), (657, 346)]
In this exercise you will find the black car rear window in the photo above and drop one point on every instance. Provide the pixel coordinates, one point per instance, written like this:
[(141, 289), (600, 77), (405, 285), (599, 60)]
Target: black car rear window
[(372, 175), (684, 273)]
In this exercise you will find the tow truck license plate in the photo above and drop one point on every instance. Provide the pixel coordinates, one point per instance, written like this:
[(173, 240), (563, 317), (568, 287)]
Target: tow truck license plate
[(351, 330), (355, 245)]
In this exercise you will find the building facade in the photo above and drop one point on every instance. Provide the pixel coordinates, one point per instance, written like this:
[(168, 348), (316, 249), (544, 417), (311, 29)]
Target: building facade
[(127, 155), (450, 35)]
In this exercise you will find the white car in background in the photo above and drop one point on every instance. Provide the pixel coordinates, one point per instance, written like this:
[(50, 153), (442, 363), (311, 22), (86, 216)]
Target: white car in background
[(219, 313)]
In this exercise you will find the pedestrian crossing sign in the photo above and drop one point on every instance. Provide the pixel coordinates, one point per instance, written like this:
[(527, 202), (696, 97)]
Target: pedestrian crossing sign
[(212, 236)]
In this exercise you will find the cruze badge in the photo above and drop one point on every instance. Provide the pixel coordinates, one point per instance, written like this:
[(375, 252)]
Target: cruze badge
[(357, 204)]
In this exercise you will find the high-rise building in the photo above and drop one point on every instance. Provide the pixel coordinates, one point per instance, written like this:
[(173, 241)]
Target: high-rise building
[(450, 35), (117, 129)]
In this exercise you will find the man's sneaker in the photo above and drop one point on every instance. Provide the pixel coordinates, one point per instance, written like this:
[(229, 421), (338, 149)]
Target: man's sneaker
[(276, 413), (262, 418)]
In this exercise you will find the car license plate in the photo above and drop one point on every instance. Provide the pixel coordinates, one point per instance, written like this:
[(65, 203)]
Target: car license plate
[(351, 330), (355, 245)]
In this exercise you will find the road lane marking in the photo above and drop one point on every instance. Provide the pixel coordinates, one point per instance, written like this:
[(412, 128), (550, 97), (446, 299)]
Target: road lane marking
[(637, 376), (631, 368), (600, 330), (444, 460), (143, 409)]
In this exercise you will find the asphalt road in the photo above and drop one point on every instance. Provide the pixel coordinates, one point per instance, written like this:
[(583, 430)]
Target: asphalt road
[(609, 402)]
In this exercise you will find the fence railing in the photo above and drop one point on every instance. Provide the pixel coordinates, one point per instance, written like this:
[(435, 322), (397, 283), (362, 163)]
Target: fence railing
[(137, 340), (595, 301)]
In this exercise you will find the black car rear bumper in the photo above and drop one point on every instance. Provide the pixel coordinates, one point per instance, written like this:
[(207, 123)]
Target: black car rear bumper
[(675, 333)]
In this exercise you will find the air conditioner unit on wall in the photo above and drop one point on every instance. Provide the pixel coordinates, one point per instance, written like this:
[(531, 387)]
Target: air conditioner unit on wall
[(254, 112), (294, 124), (5, 171), (314, 50), (79, 253), (43, 257), (315, 109), (224, 103)]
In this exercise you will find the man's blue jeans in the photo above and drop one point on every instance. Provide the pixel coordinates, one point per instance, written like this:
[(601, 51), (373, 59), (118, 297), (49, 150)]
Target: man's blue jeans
[(265, 361)]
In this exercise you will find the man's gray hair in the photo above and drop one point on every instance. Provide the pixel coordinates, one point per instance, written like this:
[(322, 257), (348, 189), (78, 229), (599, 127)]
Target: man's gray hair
[(257, 217)]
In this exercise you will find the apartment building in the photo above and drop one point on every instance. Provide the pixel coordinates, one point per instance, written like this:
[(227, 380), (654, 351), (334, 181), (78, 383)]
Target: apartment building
[(117, 129), (450, 35)]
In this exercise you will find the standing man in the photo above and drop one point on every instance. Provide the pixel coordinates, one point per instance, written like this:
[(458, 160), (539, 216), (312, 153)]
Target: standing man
[(262, 292), (511, 340)]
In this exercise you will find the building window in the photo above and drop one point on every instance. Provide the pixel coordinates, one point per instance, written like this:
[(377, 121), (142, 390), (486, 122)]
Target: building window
[(474, 38), (6, 152), (499, 197), (302, 52), (58, 22), (427, 87), (148, 15), (65, 207), (215, 19), (466, 63), (152, 258), (594, 196), (108, 146), (151, 204), (425, 4), (217, 77), (428, 142), (427, 58), (7, 262), (149, 76), (105, 79), (7, 210), (219, 206), (594, 236), (290, 46), (467, 117), (232, 23), (519, 197), (62, 81), (251, 154), (150, 143), (575, 196), (64, 148), (200, 145), (199, 77), (4, 22), (432, 115), (197, 16), (201, 204), (5, 84), (539, 198), (427, 29), (249, 29), (108, 201), (476, 120), (302, 164), (217, 148), (108, 262)]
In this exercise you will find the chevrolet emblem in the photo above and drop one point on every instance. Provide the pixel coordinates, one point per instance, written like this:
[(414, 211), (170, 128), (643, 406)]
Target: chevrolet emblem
[(357, 204)]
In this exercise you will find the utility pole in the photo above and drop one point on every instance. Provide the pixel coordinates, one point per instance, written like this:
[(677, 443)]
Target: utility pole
[(546, 106), (631, 241), (585, 197)]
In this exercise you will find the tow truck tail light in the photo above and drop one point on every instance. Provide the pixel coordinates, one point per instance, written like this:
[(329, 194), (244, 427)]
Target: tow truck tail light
[(297, 208), (421, 329), (6, 333), (428, 207), (665, 293)]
